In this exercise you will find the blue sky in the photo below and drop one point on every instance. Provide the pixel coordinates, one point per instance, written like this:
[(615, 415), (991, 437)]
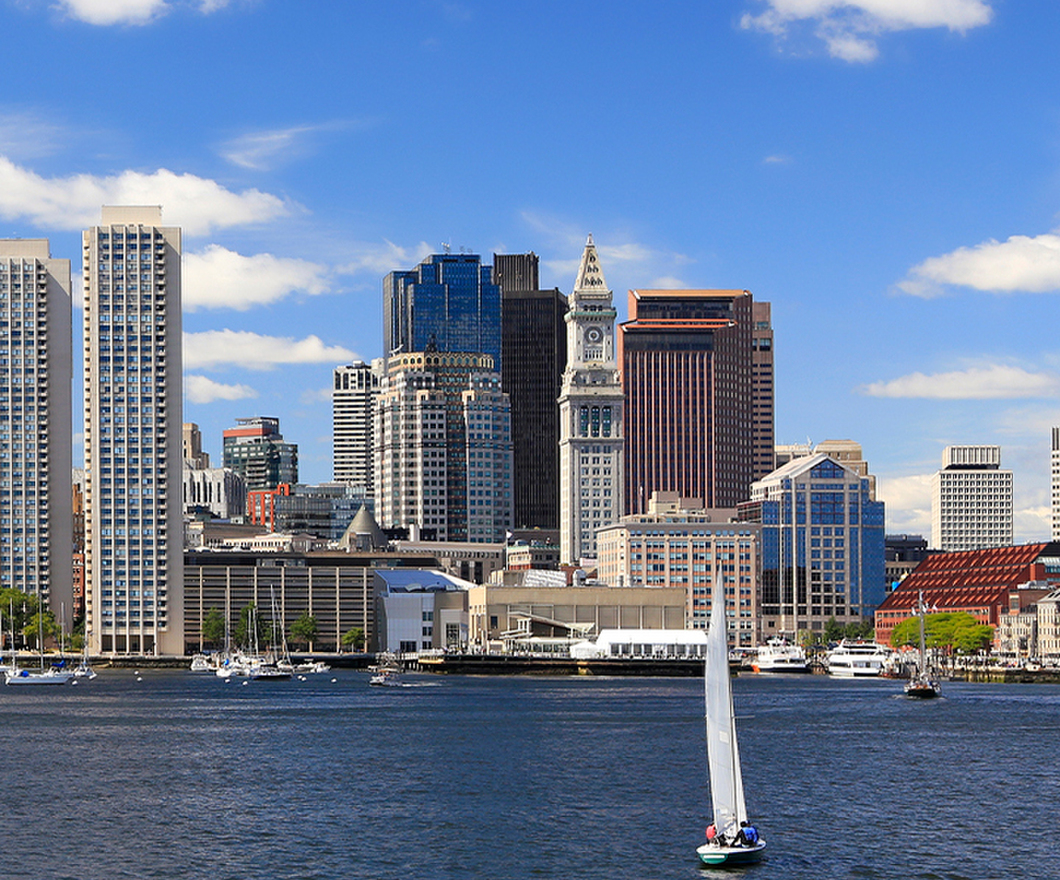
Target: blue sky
[(885, 172)]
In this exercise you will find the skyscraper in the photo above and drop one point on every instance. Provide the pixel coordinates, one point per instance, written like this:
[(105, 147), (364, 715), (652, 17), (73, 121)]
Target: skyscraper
[(534, 346), (255, 449), (355, 389), (822, 545), (1055, 467), (762, 396), (133, 458), (35, 415), (687, 369), (591, 407), (971, 500), (448, 302), (443, 452)]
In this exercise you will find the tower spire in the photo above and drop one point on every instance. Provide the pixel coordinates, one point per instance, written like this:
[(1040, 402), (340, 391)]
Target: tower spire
[(590, 274)]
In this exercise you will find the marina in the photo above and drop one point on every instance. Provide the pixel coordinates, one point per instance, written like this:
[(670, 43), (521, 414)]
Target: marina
[(160, 770)]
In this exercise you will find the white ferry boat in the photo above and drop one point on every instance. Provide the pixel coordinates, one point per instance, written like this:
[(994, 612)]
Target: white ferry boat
[(777, 655), (852, 659)]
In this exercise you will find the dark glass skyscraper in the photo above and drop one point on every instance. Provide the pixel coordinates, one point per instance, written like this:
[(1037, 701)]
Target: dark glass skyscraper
[(448, 301), (534, 346)]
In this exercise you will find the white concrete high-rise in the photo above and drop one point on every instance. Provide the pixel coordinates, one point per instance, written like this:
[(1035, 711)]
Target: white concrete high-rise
[(1055, 467), (353, 396), (36, 537), (591, 402), (133, 434), (971, 500)]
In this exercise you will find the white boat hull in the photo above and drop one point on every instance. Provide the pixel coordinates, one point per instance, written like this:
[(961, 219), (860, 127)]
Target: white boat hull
[(25, 677)]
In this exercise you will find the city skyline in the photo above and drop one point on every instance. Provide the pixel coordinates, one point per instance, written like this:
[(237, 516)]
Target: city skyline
[(882, 179)]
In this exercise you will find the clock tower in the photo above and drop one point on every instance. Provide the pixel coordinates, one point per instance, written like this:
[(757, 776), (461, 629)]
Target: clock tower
[(591, 416)]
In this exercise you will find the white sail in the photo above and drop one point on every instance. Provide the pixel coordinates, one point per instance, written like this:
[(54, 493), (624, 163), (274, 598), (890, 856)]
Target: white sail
[(723, 756)]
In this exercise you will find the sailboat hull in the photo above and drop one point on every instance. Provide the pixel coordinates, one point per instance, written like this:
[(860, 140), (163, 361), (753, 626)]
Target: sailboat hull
[(714, 855)]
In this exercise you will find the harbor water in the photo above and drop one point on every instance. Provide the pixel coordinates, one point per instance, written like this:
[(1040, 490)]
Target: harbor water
[(166, 774)]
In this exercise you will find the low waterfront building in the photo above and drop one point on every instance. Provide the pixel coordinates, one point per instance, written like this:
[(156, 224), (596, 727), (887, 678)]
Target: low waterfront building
[(495, 610), (468, 561), (419, 610), (335, 588), (636, 643), (678, 543), (1048, 622), (979, 582)]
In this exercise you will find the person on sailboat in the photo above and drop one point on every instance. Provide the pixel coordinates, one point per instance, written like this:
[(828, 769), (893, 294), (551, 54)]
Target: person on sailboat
[(747, 835), (712, 832)]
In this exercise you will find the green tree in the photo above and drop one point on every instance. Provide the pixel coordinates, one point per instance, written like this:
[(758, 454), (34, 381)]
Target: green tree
[(956, 631), (213, 628), (304, 629), (42, 621), (17, 608), (353, 638), (833, 630)]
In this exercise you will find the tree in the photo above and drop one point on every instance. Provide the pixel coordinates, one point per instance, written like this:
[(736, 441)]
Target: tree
[(304, 629), (41, 622), (213, 628), (353, 638), (953, 630), (833, 630)]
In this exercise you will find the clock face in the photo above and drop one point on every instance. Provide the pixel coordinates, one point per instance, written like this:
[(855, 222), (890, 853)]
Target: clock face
[(594, 335)]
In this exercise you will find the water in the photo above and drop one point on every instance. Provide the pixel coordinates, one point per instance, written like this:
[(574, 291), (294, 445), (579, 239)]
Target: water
[(184, 776)]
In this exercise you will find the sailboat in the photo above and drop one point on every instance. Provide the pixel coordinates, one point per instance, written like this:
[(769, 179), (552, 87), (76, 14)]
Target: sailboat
[(922, 684), (16, 676), (727, 845)]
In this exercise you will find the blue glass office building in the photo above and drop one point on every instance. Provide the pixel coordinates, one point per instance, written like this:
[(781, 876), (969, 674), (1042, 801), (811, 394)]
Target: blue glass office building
[(449, 301), (822, 545)]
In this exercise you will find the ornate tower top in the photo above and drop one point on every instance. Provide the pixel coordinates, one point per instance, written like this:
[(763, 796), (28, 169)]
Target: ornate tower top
[(590, 275)]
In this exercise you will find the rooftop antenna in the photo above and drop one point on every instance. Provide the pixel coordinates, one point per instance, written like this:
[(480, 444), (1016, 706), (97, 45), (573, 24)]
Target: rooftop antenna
[(446, 248)]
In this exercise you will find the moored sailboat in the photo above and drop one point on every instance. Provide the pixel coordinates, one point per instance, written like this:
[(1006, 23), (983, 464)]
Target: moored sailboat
[(734, 840)]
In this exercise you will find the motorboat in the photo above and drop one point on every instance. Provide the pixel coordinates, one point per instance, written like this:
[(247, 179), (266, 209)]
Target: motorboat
[(778, 655), (858, 659)]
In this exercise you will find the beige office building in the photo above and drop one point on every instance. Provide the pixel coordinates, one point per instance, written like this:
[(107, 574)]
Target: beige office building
[(133, 434)]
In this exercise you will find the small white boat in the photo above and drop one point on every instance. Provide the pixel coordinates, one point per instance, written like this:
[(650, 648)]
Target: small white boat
[(777, 655), (386, 678), (45, 676), (731, 839), (857, 659)]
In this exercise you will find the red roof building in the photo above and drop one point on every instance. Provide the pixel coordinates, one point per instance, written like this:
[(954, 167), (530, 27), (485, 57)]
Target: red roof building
[(976, 581)]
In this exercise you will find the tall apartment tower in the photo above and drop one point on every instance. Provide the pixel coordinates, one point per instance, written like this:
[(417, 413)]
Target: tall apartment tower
[(353, 396), (448, 302), (133, 457), (255, 449), (971, 500), (534, 356), (762, 390), (687, 369), (36, 501), (591, 413), (1056, 483), (443, 451)]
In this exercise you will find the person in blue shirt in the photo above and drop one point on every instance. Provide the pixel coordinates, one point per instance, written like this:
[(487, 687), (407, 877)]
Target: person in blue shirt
[(747, 835)]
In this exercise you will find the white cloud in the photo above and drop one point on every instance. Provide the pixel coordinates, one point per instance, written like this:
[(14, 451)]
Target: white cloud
[(316, 395), (200, 389), (195, 203), (253, 351), (107, 12), (219, 278), (1020, 263), (28, 136), (777, 159), (849, 27), (379, 259), (262, 150), (907, 502), (988, 382)]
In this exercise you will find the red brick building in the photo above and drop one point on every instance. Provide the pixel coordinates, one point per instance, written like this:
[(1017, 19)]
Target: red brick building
[(977, 581)]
